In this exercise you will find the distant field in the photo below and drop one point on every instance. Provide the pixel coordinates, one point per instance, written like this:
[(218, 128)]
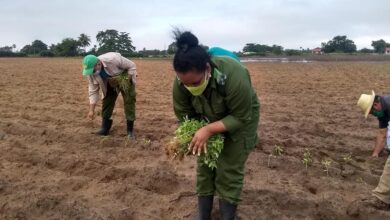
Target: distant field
[(52, 167), (324, 57)]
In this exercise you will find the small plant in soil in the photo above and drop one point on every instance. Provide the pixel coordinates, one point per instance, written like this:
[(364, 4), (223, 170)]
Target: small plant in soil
[(104, 138), (307, 158), (276, 152), (347, 158), (147, 141), (326, 163)]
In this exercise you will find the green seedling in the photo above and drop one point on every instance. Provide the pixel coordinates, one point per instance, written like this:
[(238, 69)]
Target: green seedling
[(347, 158), (361, 180), (147, 141), (123, 82), (104, 141), (307, 158), (104, 138), (277, 151), (127, 141), (326, 165)]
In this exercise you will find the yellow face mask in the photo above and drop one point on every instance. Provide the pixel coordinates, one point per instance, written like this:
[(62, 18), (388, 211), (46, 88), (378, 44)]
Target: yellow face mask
[(198, 90)]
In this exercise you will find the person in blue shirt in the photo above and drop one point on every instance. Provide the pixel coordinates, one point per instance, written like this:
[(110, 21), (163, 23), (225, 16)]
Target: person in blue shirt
[(217, 51)]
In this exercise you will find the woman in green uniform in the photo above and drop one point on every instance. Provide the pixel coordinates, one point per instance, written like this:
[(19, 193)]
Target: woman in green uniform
[(218, 89)]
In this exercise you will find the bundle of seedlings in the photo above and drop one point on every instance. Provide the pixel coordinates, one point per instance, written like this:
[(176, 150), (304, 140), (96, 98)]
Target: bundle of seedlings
[(120, 82), (179, 145), (123, 82)]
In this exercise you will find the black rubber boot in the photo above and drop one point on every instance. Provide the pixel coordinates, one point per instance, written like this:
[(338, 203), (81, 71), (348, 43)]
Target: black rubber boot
[(106, 126), (227, 210), (130, 130), (205, 205)]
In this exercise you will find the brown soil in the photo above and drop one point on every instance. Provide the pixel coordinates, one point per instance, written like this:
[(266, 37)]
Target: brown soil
[(52, 167)]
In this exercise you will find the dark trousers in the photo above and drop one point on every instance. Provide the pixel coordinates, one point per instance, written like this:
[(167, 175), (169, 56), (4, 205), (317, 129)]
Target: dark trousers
[(128, 101)]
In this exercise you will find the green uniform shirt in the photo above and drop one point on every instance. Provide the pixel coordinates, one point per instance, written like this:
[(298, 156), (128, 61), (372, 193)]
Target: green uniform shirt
[(229, 97)]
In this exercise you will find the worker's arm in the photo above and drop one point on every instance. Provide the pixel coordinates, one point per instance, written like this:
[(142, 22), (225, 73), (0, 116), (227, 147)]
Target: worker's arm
[(380, 141)]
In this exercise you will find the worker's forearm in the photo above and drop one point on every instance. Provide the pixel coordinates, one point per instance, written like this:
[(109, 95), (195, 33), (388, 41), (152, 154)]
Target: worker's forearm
[(380, 144), (92, 107), (216, 127)]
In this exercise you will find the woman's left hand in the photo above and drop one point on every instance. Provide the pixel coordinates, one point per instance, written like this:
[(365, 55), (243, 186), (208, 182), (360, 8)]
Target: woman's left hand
[(199, 141)]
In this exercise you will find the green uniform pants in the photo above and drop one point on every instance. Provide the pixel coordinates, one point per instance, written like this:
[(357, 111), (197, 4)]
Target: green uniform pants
[(227, 179), (128, 101)]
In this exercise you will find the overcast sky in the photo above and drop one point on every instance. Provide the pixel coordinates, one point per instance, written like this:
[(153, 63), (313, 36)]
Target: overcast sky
[(229, 24)]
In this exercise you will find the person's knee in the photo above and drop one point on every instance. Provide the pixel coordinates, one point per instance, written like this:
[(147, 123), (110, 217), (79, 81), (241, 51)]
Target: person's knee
[(205, 181), (229, 182)]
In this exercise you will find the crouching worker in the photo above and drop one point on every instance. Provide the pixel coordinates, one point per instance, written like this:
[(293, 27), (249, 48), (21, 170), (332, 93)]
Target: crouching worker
[(219, 89), (379, 106), (111, 74)]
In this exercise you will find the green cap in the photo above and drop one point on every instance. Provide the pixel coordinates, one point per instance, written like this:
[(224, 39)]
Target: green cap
[(89, 63)]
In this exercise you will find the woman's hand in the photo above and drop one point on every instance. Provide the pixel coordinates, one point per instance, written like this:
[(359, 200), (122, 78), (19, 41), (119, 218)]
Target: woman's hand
[(199, 141)]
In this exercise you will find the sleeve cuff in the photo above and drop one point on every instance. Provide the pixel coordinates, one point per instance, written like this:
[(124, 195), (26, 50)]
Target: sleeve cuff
[(231, 123)]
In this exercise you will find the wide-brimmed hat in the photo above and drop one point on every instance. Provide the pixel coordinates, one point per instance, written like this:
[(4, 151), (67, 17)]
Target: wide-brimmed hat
[(365, 102)]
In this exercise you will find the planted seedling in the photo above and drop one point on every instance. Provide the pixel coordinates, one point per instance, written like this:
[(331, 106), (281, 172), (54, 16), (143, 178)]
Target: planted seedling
[(307, 158), (105, 141), (104, 138), (127, 141), (326, 165), (277, 151), (147, 141), (347, 158)]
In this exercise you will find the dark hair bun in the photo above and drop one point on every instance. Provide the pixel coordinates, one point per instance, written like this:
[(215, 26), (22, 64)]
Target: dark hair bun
[(186, 40)]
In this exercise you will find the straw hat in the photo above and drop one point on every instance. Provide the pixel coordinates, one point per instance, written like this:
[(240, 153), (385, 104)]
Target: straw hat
[(365, 102)]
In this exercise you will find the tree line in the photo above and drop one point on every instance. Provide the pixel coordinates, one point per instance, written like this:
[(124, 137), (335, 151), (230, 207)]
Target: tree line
[(339, 44), (108, 40), (113, 40)]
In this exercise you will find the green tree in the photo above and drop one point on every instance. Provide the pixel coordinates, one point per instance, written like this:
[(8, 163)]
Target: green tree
[(258, 48), (249, 47), (292, 52), (339, 44), (107, 40), (68, 47), (366, 50), (84, 41), (26, 49), (93, 50), (151, 53), (172, 48), (6, 49), (36, 47), (112, 41), (277, 50), (379, 45), (124, 44)]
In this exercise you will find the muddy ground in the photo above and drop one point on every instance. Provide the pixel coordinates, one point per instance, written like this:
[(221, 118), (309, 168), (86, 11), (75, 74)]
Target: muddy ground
[(52, 167)]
